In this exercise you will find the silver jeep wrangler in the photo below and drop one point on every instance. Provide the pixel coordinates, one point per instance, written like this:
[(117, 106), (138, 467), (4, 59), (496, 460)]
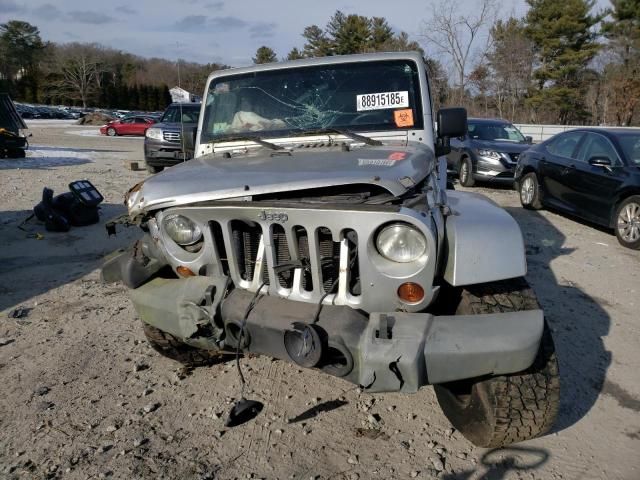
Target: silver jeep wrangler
[(314, 225)]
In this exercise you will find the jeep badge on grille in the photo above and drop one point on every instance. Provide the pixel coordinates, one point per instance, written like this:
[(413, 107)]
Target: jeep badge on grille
[(273, 216)]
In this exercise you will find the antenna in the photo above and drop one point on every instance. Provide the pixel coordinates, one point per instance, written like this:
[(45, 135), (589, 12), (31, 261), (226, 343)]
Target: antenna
[(182, 144)]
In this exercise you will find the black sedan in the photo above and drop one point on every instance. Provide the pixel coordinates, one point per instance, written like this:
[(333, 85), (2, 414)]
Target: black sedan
[(591, 173), (489, 152)]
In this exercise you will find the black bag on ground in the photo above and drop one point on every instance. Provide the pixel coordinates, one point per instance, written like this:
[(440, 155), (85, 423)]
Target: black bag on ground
[(79, 207)]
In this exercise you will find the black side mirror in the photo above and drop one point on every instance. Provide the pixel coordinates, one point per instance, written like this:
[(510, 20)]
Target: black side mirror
[(452, 122), (528, 139), (598, 161)]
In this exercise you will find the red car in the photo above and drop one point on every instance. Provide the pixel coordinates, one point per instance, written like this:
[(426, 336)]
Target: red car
[(127, 126)]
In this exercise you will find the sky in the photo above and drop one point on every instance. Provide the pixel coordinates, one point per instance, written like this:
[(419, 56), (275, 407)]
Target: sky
[(204, 31)]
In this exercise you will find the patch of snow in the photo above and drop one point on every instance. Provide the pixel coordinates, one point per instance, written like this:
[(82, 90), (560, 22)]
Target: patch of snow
[(95, 132), (41, 122), (48, 158)]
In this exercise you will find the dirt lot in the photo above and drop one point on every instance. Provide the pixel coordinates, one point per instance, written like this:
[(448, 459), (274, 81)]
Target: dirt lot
[(84, 396)]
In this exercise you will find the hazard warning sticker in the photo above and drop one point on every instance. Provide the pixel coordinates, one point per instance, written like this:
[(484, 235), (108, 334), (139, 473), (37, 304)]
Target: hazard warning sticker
[(403, 118)]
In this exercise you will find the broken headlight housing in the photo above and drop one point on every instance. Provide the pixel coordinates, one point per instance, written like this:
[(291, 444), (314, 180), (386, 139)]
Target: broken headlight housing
[(182, 230), (401, 243)]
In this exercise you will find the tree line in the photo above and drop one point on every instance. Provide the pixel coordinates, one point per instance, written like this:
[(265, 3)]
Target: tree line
[(561, 62), (89, 74)]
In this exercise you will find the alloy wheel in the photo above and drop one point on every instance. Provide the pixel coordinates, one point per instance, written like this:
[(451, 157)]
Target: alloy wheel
[(527, 190), (464, 172), (629, 222)]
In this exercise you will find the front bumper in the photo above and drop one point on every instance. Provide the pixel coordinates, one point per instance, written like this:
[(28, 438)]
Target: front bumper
[(417, 348), (492, 170), (164, 153)]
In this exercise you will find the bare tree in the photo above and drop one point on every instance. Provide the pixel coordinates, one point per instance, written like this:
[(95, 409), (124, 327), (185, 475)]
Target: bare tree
[(456, 33), (79, 67), (511, 61)]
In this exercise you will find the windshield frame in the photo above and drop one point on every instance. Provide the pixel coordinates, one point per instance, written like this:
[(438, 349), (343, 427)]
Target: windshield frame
[(494, 124), (187, 106), (417, 100)]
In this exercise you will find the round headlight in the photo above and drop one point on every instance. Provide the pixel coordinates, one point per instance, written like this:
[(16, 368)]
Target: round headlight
[(401, 243), (182, 230)]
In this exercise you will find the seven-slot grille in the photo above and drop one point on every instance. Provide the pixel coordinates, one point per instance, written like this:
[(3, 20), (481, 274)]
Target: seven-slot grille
[(171, 136), (315, 265)]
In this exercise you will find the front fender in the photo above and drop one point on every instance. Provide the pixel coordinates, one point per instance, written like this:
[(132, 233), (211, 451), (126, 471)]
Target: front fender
[(484, 242)]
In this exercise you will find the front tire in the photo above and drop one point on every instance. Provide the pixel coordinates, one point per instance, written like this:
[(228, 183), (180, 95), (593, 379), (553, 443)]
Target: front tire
[(627, 222), (465, 174), (111, 132), (529, 191), (153, 168), (501, 410), (170, 347)]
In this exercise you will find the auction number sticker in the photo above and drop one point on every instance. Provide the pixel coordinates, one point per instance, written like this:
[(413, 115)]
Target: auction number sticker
[(380, 101)]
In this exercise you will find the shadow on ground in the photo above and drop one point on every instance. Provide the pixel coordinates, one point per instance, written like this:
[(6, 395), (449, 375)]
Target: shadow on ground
[(76, 150), (577, 320), (34, 261), (42, 162), (497, 464)]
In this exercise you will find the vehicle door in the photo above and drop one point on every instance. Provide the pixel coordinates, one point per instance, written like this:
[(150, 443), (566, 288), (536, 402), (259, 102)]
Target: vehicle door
[(556, 159), (592, 188), (457, 148), (126, 126), (139, 126)]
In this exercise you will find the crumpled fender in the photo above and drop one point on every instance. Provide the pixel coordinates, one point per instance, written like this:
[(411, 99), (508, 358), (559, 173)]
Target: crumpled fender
[(484, 242)]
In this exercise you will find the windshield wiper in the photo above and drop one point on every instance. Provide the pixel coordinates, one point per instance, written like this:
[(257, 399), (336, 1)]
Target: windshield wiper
[(341, 131), (257, 140)]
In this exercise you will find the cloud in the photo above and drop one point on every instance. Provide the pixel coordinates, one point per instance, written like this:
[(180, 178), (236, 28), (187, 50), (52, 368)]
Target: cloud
[(227, 23), (190, 23), (214, 5), (93, 18), (46, 10), (126, 10), (262, 30), (9, 6)]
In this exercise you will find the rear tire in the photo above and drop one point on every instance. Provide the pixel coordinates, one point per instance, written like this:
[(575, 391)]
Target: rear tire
[(170, 347), (529, 191), (626, 222), (465, 175), (498, 411)]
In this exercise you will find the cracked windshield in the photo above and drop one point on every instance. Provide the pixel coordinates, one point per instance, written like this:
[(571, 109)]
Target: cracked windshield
[(357, 96)]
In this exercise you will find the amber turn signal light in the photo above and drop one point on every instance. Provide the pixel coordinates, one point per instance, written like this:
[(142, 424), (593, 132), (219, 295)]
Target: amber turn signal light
[(185, 272), (410, 292)]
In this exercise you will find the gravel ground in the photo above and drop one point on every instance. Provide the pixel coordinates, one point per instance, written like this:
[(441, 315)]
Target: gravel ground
[(84, 396)]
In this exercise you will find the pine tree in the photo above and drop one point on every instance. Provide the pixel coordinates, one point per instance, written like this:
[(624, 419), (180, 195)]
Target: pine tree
[(295, 54), (21, 49), (380, 33), (349, 33), (264, 55), (564, 41), (317, 44)]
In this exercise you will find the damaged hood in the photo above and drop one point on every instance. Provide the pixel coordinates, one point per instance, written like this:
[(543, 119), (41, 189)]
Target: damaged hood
[(209, 178)]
